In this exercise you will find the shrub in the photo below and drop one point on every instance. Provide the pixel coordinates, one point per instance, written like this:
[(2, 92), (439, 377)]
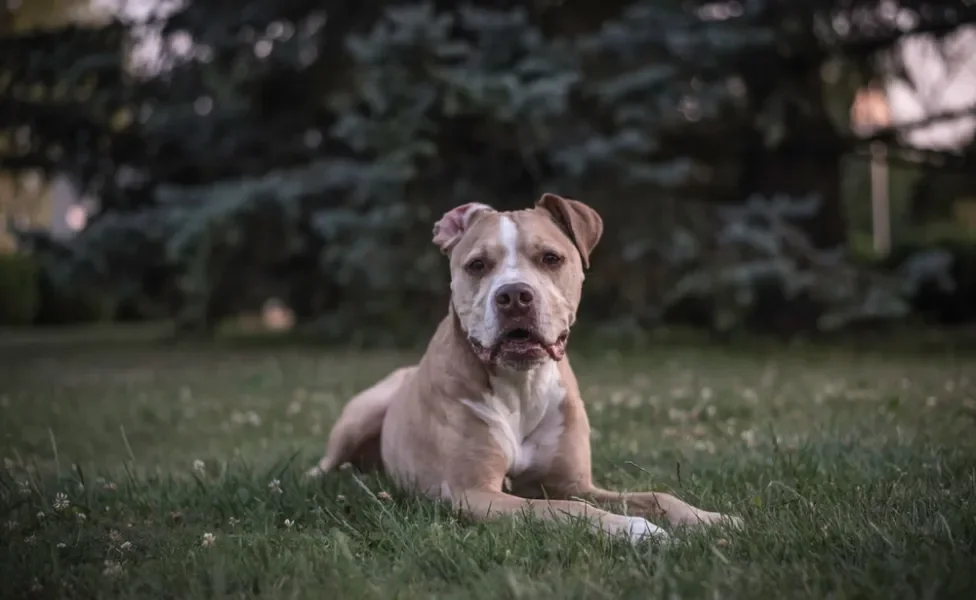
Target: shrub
[(758, 271), (942, 276)]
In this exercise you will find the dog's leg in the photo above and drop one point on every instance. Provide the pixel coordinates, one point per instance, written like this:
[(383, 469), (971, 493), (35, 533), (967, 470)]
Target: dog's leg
[(489, 505), (652, 505), (656, 505), (571, 477), (355, 437)]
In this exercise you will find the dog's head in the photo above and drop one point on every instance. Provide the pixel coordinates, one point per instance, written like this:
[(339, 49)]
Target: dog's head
[(516, 277)]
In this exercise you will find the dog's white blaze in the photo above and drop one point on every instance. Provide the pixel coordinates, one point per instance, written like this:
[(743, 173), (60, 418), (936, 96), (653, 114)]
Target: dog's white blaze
[(508, 272), (524, 415), (508, 233)]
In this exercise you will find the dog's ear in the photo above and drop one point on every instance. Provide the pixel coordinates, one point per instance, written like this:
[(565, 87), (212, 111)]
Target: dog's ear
[(450, 228), (583, 225)]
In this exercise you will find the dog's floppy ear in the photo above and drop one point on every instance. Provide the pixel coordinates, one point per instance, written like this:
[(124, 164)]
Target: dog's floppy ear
[(450, 228), (582, 223)]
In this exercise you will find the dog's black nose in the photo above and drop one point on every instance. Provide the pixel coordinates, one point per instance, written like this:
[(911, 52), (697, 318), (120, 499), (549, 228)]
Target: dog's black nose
[(514, 299)]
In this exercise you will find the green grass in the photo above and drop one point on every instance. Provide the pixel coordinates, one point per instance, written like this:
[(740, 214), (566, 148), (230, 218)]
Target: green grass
[(855, 474)]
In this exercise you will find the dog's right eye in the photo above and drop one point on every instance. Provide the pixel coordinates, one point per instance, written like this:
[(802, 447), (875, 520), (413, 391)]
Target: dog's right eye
[(475, 266)]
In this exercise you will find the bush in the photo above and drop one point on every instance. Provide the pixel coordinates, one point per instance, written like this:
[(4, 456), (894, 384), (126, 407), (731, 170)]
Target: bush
[(757, 271), (947, 295), (19, 289)]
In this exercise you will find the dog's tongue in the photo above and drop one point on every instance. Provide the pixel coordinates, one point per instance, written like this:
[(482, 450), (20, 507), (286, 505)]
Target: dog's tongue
[(557, 351)]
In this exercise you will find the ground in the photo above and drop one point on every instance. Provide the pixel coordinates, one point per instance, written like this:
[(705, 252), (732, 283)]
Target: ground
[(136, 469)]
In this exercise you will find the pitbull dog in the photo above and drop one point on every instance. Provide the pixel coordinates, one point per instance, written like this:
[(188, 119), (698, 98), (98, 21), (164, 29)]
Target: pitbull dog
[(494, 398)]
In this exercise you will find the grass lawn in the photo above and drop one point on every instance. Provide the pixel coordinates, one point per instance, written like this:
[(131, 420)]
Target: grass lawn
[(152, 471)]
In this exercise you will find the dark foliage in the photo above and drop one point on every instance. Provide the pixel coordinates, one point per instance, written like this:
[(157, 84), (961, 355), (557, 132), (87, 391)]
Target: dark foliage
[(303, 149)]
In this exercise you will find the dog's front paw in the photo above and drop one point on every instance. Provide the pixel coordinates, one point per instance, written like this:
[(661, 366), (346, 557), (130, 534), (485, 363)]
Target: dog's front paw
[(639, 529), (712, 518)]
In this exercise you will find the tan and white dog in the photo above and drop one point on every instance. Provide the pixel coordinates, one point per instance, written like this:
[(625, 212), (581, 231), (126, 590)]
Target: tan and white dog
[(494, 396)]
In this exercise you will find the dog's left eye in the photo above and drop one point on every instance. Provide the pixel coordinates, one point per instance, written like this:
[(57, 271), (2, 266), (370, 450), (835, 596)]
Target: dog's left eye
[(475, 267), (552, 259)]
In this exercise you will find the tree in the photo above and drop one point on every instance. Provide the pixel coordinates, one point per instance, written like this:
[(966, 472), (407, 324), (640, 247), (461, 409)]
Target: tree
[(298, 147)]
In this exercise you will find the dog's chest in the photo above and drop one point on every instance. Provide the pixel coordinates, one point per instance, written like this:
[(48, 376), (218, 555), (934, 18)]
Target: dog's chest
[(524, 414)]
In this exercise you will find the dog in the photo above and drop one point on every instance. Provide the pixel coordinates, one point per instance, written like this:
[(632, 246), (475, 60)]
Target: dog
[(494, 399)]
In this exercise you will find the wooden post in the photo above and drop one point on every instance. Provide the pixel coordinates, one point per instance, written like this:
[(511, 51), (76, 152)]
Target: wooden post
[(880, 201)]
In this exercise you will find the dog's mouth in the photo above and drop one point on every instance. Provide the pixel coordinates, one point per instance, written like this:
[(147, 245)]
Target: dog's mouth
[(523, 344), (520, 335)]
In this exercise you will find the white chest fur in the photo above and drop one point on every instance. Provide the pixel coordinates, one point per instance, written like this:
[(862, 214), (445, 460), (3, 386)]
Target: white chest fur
[(524, 414)]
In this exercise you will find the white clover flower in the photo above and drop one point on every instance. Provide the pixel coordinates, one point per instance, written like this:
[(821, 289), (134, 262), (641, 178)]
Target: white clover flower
[(275, 486), (112, 569), (209, 540), (199, 467), (61, 501)]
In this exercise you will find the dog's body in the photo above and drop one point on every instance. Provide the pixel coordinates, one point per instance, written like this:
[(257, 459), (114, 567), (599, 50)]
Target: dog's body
[(494, 396)]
